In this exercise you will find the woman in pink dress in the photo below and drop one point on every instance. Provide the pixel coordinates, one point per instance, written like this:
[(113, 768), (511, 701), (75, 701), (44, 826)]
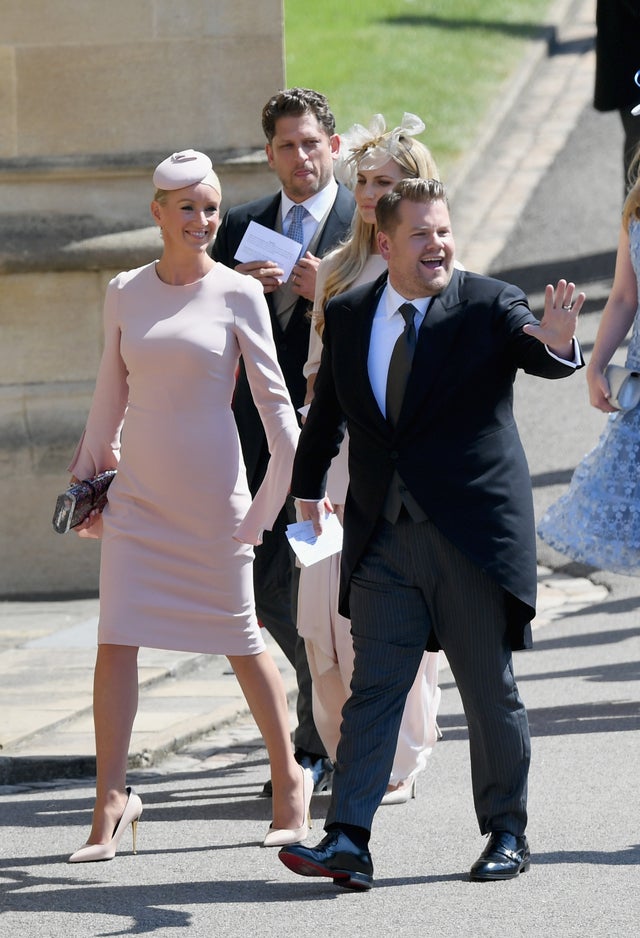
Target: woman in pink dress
[(373, 160), (176, 564)]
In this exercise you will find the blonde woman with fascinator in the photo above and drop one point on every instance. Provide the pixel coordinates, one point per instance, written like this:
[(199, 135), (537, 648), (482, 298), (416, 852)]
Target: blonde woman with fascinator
[(178, 529), (372, 161)]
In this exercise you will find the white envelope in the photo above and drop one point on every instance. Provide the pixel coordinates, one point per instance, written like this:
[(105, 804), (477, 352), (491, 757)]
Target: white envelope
[(309, 548), (263, 244)]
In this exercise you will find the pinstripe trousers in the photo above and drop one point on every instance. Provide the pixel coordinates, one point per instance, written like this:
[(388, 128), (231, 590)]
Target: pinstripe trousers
[(412, 580)]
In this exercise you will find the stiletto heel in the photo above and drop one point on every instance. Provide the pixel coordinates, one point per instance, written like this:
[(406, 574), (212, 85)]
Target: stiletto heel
[(90, 853), (277, 837), (401, 794)]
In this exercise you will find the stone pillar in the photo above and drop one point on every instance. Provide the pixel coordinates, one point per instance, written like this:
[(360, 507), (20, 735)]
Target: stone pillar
[(92, 96)]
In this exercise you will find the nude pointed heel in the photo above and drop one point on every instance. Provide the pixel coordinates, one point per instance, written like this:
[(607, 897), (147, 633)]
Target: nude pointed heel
[(400, 795), (277, 837), (92, 853)]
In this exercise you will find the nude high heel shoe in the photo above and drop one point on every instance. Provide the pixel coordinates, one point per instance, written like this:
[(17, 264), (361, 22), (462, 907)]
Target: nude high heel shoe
[(281, 837), (400, 795), (90, 853)]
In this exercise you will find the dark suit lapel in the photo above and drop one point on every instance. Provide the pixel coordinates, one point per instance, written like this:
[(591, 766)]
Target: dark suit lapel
[(362, 316), (436, 340), (337, 222), (269, 215)]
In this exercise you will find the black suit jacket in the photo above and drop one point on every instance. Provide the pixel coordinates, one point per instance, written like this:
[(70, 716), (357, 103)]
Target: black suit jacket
[(456, 444), (292, 343), (617, 54)]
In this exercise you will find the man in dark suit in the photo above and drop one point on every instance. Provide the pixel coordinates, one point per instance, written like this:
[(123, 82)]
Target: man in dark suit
[(617, 62), (301, 148), (439, 540)]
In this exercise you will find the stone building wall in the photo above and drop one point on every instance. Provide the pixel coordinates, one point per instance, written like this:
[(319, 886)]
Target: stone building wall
[(92, 96)]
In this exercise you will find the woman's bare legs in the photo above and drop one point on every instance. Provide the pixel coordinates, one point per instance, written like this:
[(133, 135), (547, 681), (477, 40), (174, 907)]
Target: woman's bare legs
[(115, 702), (264, 691)]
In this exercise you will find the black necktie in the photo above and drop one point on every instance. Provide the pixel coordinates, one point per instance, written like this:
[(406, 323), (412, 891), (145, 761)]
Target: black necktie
[(400, 364)]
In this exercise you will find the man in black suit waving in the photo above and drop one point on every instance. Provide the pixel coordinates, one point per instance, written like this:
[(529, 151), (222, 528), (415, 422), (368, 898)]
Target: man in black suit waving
[(316, 211), (439, 540)]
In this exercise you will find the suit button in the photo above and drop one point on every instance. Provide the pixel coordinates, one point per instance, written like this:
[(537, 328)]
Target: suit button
[(394, 454)]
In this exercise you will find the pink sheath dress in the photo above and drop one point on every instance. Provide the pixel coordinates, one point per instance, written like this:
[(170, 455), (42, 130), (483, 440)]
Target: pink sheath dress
[(176, 566)]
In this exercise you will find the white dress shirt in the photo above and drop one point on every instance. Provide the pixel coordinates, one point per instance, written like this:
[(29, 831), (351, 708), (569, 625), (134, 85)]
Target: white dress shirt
[(317, 207), (388, 324)]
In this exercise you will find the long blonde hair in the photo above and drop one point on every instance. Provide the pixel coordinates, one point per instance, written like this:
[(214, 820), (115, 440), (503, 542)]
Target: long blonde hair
[(631, 207), (349, 258)]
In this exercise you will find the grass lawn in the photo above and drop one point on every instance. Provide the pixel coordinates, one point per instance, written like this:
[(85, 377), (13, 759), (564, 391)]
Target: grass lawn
[(445, 60)]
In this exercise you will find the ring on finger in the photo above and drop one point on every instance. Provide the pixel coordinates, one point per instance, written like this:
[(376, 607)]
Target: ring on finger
[(567, 307)]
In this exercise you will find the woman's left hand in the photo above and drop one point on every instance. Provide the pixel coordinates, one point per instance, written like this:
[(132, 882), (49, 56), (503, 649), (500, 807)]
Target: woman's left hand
[(91, 526), (599, 390)]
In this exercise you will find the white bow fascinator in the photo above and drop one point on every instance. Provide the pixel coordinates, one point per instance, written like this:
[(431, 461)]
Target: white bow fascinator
[(365, 148)]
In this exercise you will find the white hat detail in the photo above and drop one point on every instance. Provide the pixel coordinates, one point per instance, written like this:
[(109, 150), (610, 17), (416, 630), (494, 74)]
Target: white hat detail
[(185, 168)]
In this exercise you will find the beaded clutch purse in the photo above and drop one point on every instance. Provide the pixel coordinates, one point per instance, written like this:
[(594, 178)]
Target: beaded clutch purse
[(73, 506)]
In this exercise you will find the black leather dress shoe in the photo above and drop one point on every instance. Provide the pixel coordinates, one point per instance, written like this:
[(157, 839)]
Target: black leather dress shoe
[(321, 770), (336, 857), (504, 857)]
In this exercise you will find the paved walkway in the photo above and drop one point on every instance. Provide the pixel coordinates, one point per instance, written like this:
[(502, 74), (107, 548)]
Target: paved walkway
[(528, 127), (47, 649), (47, 652)]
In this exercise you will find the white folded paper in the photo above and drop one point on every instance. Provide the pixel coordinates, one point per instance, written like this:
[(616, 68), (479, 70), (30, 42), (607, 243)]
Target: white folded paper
[(263, 244), (309, 548)]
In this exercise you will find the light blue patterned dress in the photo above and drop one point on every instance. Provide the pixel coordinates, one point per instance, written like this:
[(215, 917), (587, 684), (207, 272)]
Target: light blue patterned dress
[(597, 521)]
